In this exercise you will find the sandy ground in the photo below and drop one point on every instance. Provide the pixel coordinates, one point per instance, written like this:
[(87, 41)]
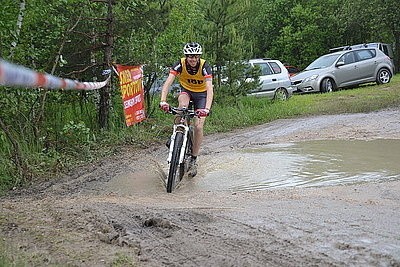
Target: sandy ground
[(82, 220)]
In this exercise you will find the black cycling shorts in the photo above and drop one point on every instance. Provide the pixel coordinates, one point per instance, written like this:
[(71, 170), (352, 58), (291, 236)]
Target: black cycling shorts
[(199, 99)]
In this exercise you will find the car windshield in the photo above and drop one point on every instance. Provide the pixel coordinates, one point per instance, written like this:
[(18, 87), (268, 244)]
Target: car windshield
[(323, 62)]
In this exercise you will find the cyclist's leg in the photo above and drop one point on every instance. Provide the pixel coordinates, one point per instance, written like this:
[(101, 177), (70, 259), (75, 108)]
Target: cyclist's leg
[(198, 135), (197, 140), (183, 99), (199, 101)]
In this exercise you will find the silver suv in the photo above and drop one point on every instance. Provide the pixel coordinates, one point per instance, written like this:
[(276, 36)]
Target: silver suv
[(274, 79), (385, 48), (344, 69)]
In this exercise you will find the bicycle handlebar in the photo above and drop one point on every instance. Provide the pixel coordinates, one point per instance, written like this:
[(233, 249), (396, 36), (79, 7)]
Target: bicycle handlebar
[(182, 111)]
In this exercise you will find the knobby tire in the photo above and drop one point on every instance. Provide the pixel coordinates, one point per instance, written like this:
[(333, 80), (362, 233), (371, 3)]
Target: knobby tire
[(173, 168)]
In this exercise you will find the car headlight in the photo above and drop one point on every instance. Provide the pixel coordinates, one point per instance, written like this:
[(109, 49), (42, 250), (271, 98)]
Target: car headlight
[(313, 77)]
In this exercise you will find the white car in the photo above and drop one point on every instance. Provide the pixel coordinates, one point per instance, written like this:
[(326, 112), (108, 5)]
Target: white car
[(274, 78)]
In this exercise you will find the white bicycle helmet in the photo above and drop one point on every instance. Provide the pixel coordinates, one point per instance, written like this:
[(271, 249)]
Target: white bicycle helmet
[(192, 49)]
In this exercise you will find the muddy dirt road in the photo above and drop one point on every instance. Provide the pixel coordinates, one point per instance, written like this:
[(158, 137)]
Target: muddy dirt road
[(116, 212)]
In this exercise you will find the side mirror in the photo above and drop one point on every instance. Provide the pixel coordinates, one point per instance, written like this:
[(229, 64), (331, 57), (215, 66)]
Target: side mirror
[(340, 63)]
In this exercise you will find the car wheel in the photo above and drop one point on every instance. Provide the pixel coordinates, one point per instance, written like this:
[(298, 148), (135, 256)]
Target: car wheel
[(281, 94), (383, 76), (327, 85)]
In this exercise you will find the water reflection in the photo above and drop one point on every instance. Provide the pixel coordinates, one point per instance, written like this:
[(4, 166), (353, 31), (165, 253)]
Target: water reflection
[(304, 164)]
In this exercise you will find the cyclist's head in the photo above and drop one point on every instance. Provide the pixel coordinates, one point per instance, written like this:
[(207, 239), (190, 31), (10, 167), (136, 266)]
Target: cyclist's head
[(192, 49)]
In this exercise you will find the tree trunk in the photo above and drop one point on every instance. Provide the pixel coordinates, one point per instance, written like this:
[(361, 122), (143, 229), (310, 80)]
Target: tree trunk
[(105, 100), (397, 50), (19, 26)]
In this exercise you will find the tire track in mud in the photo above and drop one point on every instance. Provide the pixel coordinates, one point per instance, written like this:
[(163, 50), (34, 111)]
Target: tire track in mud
[(272, 245), (178, 237)]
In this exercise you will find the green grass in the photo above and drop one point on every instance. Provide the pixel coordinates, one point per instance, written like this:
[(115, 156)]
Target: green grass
[(10, 259)]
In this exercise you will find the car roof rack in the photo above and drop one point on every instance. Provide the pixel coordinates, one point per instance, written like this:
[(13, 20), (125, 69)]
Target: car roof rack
[(340, 48), (350, 47)]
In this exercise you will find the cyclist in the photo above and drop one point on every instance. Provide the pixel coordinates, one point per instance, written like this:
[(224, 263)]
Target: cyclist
[(195, 78)]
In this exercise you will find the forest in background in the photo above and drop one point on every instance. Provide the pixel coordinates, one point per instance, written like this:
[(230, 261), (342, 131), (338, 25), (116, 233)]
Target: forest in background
[(44, 131)]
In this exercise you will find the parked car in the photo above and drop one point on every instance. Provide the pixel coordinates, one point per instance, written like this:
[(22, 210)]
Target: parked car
[(344, 69), (385, 48), (274, 79)]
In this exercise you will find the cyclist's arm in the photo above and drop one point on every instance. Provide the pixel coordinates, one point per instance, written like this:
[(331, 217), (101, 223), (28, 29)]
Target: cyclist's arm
[(207, 72), (165, 88), (210, 93)]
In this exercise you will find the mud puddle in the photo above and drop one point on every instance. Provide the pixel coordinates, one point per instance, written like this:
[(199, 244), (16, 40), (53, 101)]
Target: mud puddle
[(303, 164), (263, 167)]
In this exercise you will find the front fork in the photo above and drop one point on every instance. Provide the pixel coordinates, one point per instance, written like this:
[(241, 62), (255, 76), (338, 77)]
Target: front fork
[(178, 128)]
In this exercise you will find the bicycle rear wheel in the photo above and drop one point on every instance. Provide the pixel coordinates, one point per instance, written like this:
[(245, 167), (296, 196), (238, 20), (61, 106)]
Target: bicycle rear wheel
[(173, 180)]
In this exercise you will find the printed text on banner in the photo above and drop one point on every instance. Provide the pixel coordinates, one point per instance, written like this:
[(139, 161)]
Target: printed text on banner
[(131, 84)]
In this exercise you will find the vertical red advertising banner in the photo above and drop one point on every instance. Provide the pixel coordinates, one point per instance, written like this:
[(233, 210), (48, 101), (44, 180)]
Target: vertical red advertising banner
[(131, 84)]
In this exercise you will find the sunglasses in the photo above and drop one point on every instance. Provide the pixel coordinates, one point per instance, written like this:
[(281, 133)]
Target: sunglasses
[(193, 56)]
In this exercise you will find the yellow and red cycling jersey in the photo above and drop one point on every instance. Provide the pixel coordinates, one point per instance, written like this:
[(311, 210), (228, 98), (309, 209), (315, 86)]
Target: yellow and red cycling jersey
[(192, 79)]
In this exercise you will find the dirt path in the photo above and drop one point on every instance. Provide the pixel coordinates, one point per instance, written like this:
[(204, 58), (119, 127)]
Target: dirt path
[(83, 220)]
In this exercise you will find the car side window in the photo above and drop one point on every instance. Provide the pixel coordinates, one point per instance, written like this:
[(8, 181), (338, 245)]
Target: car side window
[(275, 67), (347, 58), (385, 50), (365, 54), (265, 68)]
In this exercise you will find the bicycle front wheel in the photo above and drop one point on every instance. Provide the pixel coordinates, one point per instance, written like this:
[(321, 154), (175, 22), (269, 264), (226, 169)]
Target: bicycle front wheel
[(173, 180)]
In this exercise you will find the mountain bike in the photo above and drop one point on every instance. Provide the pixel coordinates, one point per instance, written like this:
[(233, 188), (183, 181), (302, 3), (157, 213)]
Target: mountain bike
[(180, 145)]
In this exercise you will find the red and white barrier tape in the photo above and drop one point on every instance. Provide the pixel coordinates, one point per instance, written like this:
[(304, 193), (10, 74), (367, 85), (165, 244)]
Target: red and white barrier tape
[(15, 75)]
